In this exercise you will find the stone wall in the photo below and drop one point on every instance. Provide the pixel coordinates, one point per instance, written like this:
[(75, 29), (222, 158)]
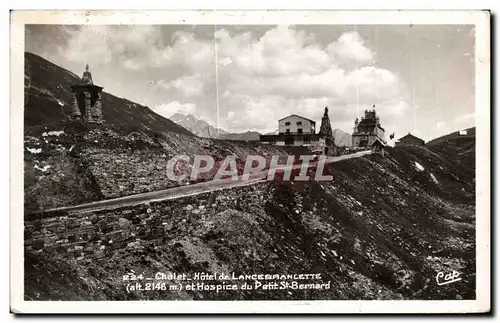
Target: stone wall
[(124, 172)]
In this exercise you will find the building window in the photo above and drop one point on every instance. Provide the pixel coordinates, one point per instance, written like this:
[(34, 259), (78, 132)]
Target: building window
[(287, 130), (287, 123), (299, 130), (299, 123), (307, 140), (289, 141)]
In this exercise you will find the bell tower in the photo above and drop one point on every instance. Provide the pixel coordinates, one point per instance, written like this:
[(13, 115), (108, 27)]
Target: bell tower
[(87, 101)]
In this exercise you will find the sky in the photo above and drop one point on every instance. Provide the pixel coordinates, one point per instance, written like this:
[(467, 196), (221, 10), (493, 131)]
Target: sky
[(420, 78)]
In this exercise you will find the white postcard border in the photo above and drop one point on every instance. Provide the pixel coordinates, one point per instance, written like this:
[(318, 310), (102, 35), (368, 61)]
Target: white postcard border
[(481, 20)]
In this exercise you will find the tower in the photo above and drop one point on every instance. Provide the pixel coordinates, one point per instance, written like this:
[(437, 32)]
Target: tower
[(367, 130), (87, 102)]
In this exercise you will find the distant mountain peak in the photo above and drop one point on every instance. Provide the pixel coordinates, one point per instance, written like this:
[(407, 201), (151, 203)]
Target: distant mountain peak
[(196, 125), (204, 129), (342, 138)]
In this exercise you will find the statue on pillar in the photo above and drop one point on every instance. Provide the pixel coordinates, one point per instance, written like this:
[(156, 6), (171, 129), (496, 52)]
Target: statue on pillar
[(87, 76)]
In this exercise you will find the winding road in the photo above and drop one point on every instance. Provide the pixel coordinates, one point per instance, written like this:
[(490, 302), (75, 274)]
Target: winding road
[(182, 191)]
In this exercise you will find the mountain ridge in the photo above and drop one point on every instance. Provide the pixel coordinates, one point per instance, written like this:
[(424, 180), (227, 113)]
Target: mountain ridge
[(48, 99), (204, 129), (197, 126)]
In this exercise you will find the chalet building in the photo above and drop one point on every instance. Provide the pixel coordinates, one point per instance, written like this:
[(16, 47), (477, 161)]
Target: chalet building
[(367, 130), (295, 130), (410, 140), (295, 124)]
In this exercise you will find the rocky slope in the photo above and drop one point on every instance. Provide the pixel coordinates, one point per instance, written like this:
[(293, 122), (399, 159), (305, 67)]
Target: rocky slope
[(382, 229), (69, 162), (465, 133)]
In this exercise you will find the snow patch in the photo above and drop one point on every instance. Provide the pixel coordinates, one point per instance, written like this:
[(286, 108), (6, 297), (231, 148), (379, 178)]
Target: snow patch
[(419, 167), (60, 103), (434, 178), (53, 133), (43, 169), (34, 150)]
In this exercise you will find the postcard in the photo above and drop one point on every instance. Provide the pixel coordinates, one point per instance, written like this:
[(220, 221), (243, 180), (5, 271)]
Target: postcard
[(250, 161)]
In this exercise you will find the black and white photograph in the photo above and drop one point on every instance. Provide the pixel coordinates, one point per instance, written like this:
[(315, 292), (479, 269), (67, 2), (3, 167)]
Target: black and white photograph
[(218, 159)]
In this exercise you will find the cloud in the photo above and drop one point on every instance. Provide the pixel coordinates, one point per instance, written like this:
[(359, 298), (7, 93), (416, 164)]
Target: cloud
[(459, 123), (132, 47), (466, 120), (281, 51), (350, 46), (193, 54), (260, 79), (189, 85), (286, 71)]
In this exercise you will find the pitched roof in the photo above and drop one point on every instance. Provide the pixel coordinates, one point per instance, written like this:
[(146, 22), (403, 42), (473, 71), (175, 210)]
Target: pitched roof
[(297, 116), (380, 142)]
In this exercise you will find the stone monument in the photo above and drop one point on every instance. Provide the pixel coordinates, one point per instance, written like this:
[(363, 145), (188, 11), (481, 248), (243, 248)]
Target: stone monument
[(87, 102)]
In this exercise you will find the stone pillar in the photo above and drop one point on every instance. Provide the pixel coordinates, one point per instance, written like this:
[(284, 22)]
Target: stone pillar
[(88, 106), (98, 108)]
